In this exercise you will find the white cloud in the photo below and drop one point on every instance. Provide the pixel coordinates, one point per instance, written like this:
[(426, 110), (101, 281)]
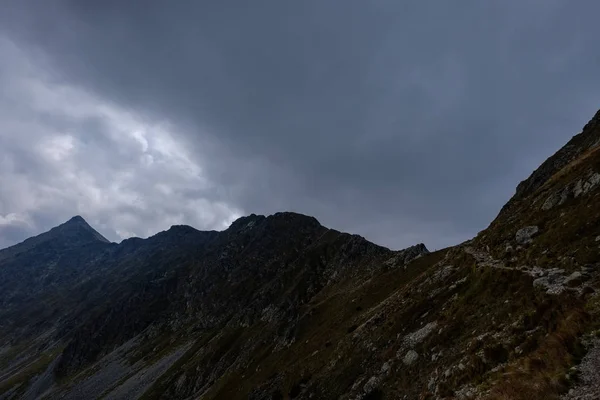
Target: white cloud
[(56, 148), (13, 218), (64, 151)]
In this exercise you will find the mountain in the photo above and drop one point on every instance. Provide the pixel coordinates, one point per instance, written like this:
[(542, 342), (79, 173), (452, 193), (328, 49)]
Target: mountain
[(74, 233), (50, 262), (280, 307)]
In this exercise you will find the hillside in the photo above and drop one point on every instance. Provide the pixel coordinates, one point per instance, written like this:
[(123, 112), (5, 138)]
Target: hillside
[(280, 307)]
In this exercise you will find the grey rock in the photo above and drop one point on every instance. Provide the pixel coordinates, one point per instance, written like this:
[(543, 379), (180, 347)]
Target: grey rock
[(525, 235), (371, 384), (416, 337), (407, 255), (590, 183), (431, 385), (555, 290), (553, 282), (578, 188), (436, 356), (572, 190), (466, 392), (410, 357), (386, 367), (443, 273), (554, 200)]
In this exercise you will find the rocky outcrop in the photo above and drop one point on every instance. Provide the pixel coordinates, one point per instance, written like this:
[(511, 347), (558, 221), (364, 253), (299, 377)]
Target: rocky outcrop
[(411, 253), (525, 235), (403, 257), (588, 139), (573, 190)]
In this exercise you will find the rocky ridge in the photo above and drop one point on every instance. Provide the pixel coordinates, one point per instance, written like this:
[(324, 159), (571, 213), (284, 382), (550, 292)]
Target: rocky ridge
[(280, 307)]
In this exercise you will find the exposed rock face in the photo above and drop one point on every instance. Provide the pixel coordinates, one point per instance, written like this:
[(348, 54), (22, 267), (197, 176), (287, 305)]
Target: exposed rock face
[(281, 307), (412, 339), (525, 235), (405, 256), (572, 191), (413, 252)]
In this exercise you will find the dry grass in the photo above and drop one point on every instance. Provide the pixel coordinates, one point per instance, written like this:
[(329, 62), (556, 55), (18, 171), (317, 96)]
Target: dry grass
[(541, 375)]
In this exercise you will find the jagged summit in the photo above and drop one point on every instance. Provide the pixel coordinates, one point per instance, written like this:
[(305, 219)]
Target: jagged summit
[(244, 221), (288, 218), (180, 234)]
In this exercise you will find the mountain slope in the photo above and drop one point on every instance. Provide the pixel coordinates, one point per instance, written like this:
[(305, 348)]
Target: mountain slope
[(196, 281), (280, 307)]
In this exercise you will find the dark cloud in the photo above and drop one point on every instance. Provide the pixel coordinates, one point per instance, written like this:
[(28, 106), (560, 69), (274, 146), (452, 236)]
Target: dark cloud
[(401, 122), (65, 151)]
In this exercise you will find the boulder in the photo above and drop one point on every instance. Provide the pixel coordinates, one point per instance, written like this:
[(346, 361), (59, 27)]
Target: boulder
[(410, 357), (525, 235)]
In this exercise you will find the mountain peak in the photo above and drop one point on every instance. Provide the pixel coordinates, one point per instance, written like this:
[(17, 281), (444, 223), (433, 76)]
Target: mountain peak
[(289, 217), (78, 231), (73, 233), (278, 222), (76, 219)]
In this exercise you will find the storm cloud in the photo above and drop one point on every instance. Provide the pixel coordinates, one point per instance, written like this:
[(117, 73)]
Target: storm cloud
[(403, 122)]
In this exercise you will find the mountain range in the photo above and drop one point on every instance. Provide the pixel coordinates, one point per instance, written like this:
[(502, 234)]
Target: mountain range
[(281, 307)]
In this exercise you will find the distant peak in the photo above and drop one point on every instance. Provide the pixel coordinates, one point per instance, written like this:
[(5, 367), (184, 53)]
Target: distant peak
[(420, 247), (78, 227), (292, 219), (279, 218), (181, 229), (73, 233), (76, 219), (293, 216), (412, 253)]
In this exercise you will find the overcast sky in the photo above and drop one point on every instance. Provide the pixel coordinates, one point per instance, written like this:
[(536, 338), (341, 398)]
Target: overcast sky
[(401, 121)]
